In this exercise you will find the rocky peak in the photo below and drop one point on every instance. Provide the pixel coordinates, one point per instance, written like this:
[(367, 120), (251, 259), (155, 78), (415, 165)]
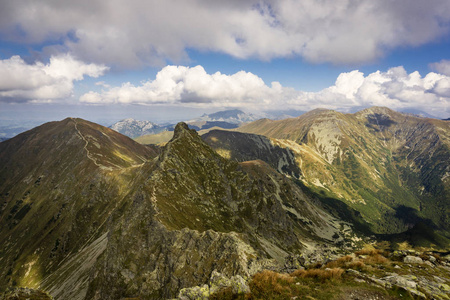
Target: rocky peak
[(182, 129)]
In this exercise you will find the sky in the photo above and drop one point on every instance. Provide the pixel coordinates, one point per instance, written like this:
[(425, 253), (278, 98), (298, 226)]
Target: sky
[(172, 60)]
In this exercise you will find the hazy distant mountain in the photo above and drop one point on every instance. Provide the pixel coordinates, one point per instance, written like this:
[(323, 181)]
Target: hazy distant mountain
[(417, 113), (12, 130), (283, 114), (134, 128), (228, 119), (234, 116)]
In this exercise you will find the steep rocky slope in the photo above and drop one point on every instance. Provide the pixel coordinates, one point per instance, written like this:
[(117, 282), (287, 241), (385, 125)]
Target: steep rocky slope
[(391, 167), (87, 213)]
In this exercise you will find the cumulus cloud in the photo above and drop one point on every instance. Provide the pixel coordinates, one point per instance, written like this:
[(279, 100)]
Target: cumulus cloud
[(179, 85), (38, 82), (337, 31), (442, 67)]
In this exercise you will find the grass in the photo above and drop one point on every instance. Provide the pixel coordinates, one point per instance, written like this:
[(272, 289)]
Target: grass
[(319, 274)]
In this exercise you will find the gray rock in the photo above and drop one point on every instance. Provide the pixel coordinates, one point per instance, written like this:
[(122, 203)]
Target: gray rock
[(409, 259), (194, 293), (402, 281), (218, 281), (428, 263), (237, 283), (294, 262)]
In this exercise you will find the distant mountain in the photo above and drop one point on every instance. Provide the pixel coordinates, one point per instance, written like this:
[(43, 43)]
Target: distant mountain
[(3, 139), (417, 113), (228, 119), (87, 213), (134, 128), (283, 114), (11, 131), (234, 116), (393, 168)]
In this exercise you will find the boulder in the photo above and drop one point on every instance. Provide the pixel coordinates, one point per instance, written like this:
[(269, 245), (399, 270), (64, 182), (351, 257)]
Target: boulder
[(409, 259), (194, 293), (401, 281), (237, 283)]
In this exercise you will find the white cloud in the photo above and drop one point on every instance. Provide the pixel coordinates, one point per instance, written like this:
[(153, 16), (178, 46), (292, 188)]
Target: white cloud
[(179, 85), (135, 32), (38, 82), (442, 67)]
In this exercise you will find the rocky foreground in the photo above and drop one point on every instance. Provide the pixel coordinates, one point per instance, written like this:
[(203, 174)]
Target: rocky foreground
[(367, 274)]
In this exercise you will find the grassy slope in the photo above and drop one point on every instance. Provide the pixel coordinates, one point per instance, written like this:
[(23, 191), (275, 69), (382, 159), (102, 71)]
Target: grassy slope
[(376, 161)]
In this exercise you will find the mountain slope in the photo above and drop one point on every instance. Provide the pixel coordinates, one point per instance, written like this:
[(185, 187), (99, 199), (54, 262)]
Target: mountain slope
[(244, 147), (90, 214), (56, 186), (391, 167)]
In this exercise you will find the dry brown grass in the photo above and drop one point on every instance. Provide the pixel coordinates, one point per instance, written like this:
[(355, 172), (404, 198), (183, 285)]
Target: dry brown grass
[(369, 250), (321, 274), (341, 262), (376, 260), (356, 265), (273, 281)]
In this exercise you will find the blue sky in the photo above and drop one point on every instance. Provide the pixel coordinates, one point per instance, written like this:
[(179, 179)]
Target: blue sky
[(174, 60)]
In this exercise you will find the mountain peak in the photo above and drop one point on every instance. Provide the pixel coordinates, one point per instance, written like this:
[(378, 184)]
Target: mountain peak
[(182, 128)]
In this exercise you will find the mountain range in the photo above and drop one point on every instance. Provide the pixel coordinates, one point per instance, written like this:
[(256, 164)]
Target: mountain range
[(134, 128), (226, 119), (391, 167), (88, 213)]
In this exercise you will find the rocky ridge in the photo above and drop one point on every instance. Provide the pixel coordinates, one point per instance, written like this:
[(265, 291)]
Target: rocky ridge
[(94, 215)]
